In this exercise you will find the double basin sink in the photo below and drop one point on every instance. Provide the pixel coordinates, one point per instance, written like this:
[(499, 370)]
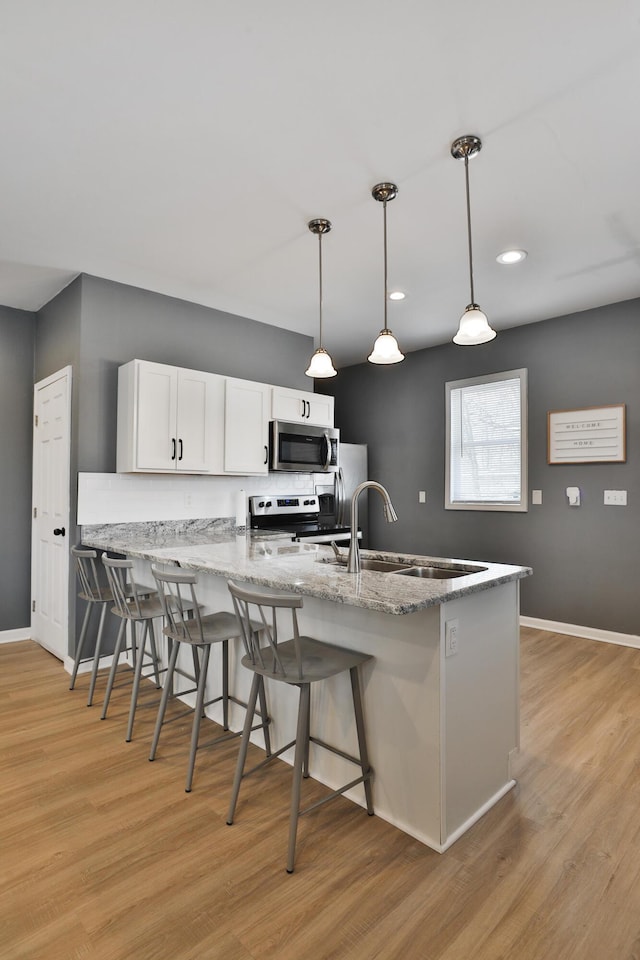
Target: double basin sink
[(411, 569)]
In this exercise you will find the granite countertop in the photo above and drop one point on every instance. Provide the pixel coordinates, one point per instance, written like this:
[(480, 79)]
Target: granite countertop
[(305, 568)]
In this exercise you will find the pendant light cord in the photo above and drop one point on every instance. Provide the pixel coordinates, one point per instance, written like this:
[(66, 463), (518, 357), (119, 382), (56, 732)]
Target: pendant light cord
[(466, 177), (384, 210), (320, 282)]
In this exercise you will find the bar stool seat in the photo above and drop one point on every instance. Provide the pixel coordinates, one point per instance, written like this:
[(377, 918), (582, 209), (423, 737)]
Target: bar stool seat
[(186, 625), (133, 607), (298, 661)]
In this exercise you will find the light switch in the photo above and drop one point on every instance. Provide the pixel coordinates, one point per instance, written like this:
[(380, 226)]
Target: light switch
[(422, 496), (616, 498), (536, 497)]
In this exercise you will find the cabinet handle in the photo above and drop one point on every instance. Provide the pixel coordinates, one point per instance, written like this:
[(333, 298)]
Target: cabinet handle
[(173, 448), (266, 453), (304, 408), (180, 442)]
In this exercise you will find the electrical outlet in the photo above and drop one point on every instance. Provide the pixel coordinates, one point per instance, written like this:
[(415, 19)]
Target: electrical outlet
[(422, 496), (616, 498), (451, 638)]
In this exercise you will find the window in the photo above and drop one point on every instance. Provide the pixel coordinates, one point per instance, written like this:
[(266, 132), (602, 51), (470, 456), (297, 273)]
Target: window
[(486, 437)]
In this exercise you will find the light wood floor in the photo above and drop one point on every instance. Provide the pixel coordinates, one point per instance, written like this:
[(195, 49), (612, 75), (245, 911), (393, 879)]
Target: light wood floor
[(103, 855)]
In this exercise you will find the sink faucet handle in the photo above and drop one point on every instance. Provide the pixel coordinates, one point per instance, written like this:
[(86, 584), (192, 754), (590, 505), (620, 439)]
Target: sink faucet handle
[(336, 550)]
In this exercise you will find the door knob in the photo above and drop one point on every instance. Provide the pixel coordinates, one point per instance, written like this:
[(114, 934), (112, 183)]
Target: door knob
[(59, 532)]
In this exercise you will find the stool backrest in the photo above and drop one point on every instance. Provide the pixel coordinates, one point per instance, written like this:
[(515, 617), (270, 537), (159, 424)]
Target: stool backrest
[(87, 572), (264, 606), (125, 594), (176, 589)]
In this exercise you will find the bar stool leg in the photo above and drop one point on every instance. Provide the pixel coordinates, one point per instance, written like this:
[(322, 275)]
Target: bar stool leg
[(114, 667), (166, 694), (265, 718), (196, 664), (307, 737), (298, 761), (225, 684), (197, 716), (96, 656), (134, 645), (244, 744), (136, 683), (83, 636), (154, 651), (362, 739)]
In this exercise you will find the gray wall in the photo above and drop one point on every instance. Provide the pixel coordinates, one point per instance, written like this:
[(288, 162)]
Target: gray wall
[(585, 559), (120, 323), (96, 325), (17, 336)]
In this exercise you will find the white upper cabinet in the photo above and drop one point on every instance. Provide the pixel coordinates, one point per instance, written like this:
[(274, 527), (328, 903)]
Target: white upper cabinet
[(297, 406), (246, 427), (167, 419), (172, 420)]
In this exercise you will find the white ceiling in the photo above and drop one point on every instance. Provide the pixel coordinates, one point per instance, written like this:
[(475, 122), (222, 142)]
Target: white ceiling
[(182, 147)]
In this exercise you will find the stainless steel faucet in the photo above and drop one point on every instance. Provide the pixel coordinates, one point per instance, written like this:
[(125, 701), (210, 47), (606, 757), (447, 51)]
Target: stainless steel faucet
[(353, 561)]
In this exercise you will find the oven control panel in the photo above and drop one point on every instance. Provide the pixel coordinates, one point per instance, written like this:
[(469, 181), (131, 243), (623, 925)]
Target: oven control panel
[(274, 504)]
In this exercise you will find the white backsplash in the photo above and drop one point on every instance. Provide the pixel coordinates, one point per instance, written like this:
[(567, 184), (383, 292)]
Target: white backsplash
[(130, 498)]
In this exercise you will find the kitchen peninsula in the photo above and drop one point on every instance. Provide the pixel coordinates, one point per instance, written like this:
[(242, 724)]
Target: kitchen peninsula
[(441, 694)]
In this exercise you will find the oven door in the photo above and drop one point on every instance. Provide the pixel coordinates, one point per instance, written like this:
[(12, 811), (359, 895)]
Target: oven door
[(344, 536), (304, 449)]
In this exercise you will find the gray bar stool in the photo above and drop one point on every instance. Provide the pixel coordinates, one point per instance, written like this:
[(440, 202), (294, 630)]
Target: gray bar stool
[(184, 624), (299, 661), (94, 595), (133, 605)]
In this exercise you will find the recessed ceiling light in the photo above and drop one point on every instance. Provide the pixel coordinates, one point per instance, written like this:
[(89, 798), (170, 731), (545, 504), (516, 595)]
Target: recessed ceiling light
[(396, 295), (511, 256)]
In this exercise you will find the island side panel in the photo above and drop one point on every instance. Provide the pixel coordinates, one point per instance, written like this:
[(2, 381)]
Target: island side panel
[(480, 693), (401, 689)]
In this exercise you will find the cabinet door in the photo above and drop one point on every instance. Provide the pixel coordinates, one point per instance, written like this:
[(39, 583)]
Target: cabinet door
[(155, 416), (320, 410), (246, 427), (298, 406), (193, 423)]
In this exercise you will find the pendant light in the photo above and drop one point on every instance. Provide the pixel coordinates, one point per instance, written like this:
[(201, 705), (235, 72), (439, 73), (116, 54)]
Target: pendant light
[(474, 326), (320, 365), (385, 349)]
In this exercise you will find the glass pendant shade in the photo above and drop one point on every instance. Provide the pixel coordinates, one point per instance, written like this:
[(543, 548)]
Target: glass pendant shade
[(474, 327), (321, 365), (385, 349)]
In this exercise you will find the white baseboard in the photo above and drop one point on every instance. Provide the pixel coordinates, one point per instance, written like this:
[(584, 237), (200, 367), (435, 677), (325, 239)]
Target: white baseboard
[(12, 636), (588, 633), (480, 812), (86, 665)]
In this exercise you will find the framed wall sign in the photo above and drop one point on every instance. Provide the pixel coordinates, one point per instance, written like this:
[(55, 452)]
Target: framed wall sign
[(590, 435)]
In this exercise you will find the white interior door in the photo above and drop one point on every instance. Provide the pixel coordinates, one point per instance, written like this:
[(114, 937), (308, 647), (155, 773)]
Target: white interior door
[(49, 545)]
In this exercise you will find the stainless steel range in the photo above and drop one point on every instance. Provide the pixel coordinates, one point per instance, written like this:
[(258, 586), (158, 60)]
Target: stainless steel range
[(297, 514)]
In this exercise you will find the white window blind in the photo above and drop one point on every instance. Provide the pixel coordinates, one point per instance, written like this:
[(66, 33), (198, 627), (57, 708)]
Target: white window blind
[(486, 442)]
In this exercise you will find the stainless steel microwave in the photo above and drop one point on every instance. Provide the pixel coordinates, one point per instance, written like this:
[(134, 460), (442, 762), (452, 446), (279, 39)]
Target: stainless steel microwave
[(304, 449)]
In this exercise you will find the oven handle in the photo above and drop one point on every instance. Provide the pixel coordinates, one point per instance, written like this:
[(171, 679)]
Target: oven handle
[(327, 538)]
